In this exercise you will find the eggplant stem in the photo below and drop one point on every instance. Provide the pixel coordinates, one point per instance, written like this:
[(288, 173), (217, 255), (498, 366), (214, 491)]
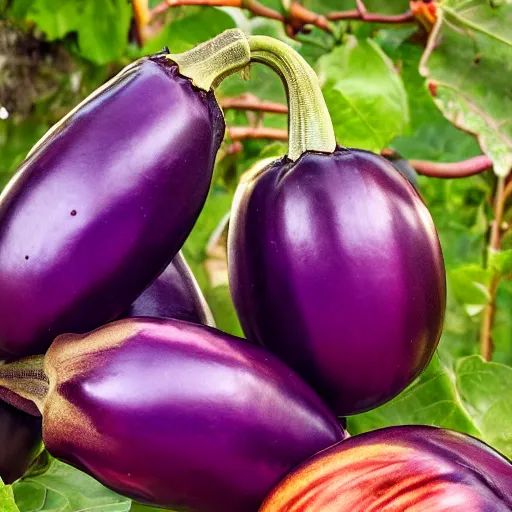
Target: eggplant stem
[(27, 379), (210, 62), (309, 123)]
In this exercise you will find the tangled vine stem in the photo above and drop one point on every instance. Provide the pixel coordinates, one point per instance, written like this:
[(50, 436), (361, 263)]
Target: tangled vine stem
[(295, 19)]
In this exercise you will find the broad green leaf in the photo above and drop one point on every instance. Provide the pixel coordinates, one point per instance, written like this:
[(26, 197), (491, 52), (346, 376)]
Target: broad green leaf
[(431, 400), (488, 17), (103, 29), (56, 19), (364, 93), (65, 489), (469, 90), (430, 136), (7, 503), (196, 26), (472, 397), (486, 392)]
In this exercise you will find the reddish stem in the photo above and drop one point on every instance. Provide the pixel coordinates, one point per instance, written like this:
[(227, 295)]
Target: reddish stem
[(251, 102), (256, 132), (361, 13), (297, 17), (461, 169), (486, 345), (251, 5)]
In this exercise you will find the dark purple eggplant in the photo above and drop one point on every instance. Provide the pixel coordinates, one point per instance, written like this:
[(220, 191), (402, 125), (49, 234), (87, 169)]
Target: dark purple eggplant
[(20, 442), (174, 294), (107, 198), (334, 261), (397, 469), (176, 414)]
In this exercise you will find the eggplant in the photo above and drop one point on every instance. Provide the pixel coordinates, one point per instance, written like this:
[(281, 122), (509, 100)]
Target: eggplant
[(174, 294), (106, 199), (175, 414), (414, 468), (334, 260), (20, 442)]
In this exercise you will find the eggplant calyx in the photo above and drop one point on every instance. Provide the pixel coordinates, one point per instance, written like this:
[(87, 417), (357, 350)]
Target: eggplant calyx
[(309, 123), (27, 379), (209, 63)]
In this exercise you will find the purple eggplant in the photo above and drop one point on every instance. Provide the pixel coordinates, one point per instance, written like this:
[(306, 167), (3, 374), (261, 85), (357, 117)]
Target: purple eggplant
[(20, 442), (174, 294), (335, 264), (105, 201), (413, 468), (176, 414)]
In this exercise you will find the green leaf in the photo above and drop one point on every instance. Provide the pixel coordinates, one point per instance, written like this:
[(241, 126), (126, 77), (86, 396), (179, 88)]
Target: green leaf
[(197, 26), (364, 93), (102, 26), (473, 397), (223, 310), (484, 16), (431, 400), (502, 326), (56, 19), (65, 489), (486, 392), (431, 136), (7, 503), (18, 9), (501, 262), (103, 29), (470, 284), (469, 90)]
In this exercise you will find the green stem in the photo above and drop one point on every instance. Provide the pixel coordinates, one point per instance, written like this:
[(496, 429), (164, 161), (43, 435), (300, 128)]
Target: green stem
[(210, 62), (309, 123), (26, 378)]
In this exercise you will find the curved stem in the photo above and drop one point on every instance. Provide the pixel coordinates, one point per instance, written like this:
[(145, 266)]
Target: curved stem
[(26, 378), (309, 123), (210, 62), (462, 169)]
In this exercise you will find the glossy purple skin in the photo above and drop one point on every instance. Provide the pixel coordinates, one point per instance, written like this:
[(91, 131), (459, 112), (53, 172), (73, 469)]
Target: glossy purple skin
[(180, 415), (174, 294), (335, 266), (20, 442), (101, 208)]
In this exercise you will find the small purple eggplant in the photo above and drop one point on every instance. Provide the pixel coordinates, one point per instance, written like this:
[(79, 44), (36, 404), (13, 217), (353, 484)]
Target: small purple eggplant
[(397, 469), (20, 442), (106, 199), (176, 414), (174, 294)]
